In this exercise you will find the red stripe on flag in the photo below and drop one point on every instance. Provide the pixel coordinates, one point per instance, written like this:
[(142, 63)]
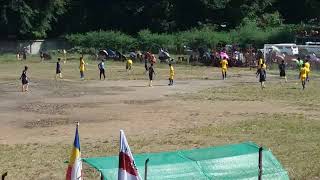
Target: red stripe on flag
[(126, 163), (69, 170)]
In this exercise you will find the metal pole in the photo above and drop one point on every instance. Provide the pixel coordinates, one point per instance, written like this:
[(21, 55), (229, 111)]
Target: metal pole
[(146, 169), (101, 176), (260, 163), (4, 175)]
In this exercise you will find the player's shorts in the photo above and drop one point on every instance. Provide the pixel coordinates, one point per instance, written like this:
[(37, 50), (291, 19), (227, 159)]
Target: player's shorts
[(24, 82), (171, 77), (303, 78), (224, 70)]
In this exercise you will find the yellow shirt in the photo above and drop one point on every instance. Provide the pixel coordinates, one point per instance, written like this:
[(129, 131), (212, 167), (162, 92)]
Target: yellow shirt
[(260, 61), (129, 61), (171, 71), (82, 65), (224, 64), (307, 66), (303, 72)]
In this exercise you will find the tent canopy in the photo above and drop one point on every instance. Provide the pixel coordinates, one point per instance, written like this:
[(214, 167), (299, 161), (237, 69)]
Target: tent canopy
[(238, 161)]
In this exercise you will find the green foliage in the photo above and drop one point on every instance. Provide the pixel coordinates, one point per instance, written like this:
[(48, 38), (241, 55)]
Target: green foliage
[(30, 18), (103, 39), (249, 32), (153, 41)]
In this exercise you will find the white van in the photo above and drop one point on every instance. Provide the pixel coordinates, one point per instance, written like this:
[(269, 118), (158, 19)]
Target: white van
[(287, 49)]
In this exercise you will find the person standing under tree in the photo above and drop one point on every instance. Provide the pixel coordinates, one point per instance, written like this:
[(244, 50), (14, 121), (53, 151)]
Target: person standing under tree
[(303, 76), (224, 67), (262, 73), (151, 73), (58, 69), (102, 69), (25, 80), (82, 68), (171, 75), (282, 69)]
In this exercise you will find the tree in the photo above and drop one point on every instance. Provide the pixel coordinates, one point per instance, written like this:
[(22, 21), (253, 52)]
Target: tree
[(30, 18)]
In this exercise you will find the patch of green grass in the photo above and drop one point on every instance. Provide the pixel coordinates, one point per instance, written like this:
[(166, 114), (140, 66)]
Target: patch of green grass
[(287, 92), (293, 138)]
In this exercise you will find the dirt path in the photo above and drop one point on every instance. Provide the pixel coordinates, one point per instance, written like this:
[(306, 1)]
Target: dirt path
[(47, 113)]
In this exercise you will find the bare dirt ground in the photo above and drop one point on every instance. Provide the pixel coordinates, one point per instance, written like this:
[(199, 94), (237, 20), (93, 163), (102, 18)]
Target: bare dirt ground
[(47, 113), (200, 110)]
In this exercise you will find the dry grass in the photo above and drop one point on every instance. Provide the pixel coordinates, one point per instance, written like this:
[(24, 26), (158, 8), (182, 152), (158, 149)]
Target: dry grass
[(293, 138)]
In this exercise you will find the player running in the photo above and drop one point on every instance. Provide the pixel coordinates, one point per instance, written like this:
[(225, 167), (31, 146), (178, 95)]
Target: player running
[(262, 73), (24, 80), (151, 74), (303, 76), (171, 75), (307, 66)]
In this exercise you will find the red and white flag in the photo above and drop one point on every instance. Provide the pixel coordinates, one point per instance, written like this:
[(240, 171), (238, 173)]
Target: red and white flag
[(127, 168)]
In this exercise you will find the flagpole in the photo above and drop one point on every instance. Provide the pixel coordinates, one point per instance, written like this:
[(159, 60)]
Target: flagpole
[(4, 175), (146, 169), (101, 176), (260, 163)]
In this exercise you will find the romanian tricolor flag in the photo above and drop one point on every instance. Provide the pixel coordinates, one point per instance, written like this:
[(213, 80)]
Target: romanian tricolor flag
[(74, 171)]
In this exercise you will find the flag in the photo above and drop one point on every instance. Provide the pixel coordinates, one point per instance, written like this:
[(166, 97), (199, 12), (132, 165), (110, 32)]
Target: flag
[(127, 168), (74, 171)]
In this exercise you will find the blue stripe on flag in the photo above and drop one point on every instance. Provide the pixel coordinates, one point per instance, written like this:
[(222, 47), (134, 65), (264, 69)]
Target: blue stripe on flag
[(76, 140)]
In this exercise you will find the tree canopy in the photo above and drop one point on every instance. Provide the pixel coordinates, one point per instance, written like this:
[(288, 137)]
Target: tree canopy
[(52, 18)]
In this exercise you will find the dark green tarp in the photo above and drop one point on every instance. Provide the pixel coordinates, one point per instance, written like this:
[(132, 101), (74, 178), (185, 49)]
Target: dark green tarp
[(238, 161)]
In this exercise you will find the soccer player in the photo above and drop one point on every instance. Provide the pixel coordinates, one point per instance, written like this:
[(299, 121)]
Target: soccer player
[(307, 66), (303, 76), (224, 67), (151, 73), (58, 69), (25, 80), (82, 68), (129, 64), (101, 67), (282, 69), (171, 75), (262, 73), (260, 62)]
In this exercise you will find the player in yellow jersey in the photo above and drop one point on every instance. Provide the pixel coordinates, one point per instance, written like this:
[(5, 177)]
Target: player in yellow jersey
[(171, 75), (82, 68), (129, 64), (303, 76), (224, 68), (260, 62), (307, 66)]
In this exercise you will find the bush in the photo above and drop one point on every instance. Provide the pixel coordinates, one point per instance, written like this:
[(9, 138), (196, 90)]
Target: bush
[(249, 32), (103, 40), (149, 41)]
